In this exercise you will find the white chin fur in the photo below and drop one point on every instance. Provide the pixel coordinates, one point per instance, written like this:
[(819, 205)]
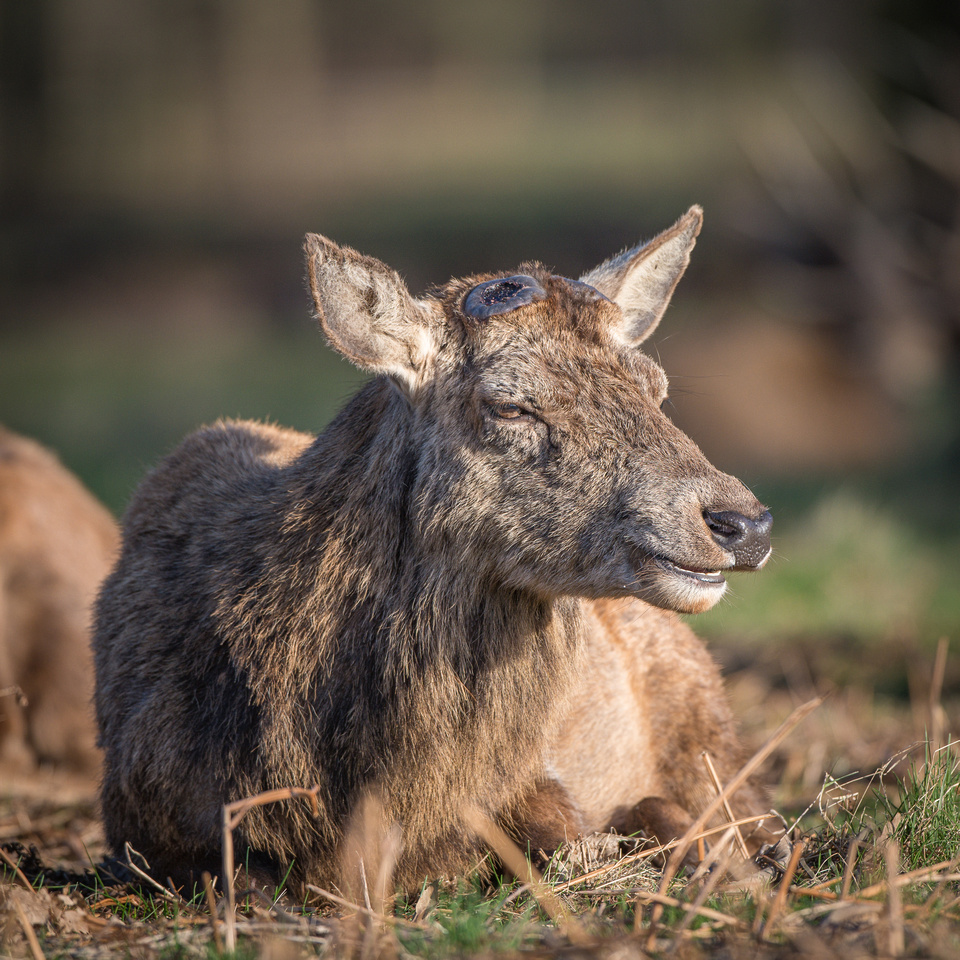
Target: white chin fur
[(684, 595)]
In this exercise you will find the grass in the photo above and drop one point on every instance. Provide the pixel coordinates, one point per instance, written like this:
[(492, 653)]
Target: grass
[(873, 873), (111, 404), (471, 917), (926, 816)]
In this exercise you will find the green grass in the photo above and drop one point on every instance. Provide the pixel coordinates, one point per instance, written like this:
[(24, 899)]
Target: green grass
[(926, 815), (847, 566), (469, 918)]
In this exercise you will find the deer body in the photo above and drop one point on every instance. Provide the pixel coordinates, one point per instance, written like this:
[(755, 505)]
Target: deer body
[(443, 598), (57, 542)]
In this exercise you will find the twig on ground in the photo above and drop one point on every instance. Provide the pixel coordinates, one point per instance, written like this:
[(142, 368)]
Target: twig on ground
[(157, 887), (15, 866), (232, 814)]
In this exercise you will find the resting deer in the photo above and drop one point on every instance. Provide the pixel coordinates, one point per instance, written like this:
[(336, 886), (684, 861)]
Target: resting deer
[(57, 542), (462, 592)]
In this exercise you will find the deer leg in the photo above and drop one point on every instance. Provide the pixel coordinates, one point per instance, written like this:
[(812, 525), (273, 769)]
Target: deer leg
[(663, 820), (545, 817), (660, 820)]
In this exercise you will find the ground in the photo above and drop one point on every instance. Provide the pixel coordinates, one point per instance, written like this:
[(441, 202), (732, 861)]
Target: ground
[(867, 735)]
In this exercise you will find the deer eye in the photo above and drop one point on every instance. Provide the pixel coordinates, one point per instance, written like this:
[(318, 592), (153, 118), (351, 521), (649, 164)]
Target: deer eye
[(508, 411)]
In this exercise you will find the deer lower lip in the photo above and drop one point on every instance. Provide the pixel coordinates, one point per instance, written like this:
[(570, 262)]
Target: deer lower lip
[(701, 576)]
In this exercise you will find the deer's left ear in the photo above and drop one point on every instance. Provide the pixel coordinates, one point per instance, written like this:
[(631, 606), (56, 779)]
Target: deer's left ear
[(641, 280)]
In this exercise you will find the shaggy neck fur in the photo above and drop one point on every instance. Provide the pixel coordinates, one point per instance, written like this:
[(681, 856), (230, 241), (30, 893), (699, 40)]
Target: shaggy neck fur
[(413, 675)]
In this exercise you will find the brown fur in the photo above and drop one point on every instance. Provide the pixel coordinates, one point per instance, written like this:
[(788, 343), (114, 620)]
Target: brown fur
[(56, 545), (443, 599)]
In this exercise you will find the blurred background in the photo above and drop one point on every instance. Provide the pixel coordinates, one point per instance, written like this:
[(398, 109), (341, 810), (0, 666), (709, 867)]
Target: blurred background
[(160, 161)]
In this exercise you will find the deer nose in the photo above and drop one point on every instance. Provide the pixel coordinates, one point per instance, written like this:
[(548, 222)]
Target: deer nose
[(748, 540)]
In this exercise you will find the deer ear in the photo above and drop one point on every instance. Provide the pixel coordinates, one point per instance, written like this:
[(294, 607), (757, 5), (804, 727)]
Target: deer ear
[(367, 312), (641, 280)]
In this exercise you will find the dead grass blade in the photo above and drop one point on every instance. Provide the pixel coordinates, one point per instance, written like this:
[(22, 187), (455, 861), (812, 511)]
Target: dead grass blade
[(379, 917), (654, 851), (780, 900), (851, 863), (28, 931), (920, 875), (797, 917), (942, 881), (747, 770), (232, 814), (368, 858), (663, 900), (515, 861), (896, 941), (712, 770), (212, 907), (718, 872), (938, 716)]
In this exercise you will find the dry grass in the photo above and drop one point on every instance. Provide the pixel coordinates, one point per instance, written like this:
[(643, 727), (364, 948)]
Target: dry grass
[(870, 869)]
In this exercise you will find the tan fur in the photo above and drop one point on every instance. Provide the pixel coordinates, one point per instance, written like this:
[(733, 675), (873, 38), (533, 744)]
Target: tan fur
[(662, 705), (56, 544), (441, 601)]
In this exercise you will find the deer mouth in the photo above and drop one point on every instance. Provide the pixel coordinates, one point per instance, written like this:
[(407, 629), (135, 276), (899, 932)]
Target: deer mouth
[(709, 577)]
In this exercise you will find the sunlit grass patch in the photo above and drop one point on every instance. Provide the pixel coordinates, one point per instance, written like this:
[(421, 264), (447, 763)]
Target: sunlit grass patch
[(925, 812)]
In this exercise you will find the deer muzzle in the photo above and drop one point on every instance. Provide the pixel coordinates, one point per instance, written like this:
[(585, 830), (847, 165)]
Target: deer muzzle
[(746, 538)]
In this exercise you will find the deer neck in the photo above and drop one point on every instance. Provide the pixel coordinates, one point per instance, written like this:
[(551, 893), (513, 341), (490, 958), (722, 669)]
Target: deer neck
[(415, 646)]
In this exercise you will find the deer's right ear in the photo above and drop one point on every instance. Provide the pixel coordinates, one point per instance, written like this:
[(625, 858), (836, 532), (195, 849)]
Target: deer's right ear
[(367, 312)]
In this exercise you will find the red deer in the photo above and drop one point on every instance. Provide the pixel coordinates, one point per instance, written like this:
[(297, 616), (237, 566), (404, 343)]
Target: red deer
[(56, 545), (461, 592)]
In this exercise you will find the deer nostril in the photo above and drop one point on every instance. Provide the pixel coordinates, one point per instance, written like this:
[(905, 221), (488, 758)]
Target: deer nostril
[(748, 540), (726, 527)]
